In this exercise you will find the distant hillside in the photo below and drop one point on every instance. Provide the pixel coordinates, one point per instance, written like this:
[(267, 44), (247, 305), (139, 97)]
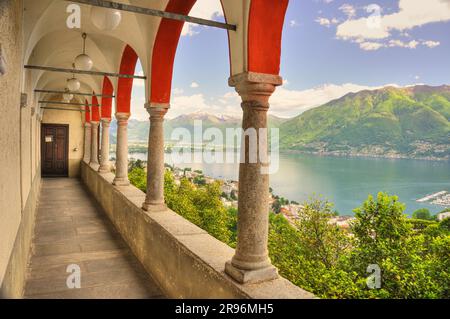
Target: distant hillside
[(138, 130), (390, 122), (409, 122)]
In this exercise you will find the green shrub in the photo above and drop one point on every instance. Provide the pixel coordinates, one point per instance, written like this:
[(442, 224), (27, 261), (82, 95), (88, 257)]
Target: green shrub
[(413, 254)]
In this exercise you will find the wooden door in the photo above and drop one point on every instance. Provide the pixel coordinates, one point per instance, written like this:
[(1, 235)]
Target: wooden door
[(55, 150)]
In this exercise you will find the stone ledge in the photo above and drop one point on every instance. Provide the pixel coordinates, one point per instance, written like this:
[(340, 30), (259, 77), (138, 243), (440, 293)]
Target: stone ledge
[(186, 261)]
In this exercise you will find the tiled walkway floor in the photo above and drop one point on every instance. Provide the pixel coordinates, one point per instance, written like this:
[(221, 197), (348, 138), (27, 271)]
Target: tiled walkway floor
[(71, 229)]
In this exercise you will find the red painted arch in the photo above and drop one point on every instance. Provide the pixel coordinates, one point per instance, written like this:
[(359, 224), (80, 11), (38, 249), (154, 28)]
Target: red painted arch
[(125, 85), (265, 27), (107, 101), (95, 109), (87, 114), (164, 51)]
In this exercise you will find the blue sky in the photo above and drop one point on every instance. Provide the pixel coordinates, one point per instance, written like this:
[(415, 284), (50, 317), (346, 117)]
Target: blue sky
[(330, 48)]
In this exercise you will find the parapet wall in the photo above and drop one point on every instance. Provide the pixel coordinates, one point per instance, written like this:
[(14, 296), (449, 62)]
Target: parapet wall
[(186, 261)]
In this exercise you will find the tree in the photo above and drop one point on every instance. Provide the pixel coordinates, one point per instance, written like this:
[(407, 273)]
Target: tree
[(135, 163), (320, 239), (138, 178), (384, 237), (276, 206), (422, 213), (323, 258)]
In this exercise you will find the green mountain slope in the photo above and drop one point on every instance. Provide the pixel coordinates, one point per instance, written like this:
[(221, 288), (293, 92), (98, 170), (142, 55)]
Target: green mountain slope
[(396, 122)]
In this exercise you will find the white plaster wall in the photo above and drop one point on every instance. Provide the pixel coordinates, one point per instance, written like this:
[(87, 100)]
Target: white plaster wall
[(18, 142), (10, 186)]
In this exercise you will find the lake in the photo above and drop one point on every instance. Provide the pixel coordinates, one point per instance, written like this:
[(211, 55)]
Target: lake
[(345, 181)]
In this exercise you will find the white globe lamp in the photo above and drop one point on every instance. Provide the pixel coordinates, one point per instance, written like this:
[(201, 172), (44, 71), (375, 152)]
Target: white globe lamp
[(105, 19), (67, 97), (84, 62), (73, 84)]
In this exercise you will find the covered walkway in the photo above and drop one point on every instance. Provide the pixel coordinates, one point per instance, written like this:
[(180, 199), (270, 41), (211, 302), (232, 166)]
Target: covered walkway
[(72, 229)]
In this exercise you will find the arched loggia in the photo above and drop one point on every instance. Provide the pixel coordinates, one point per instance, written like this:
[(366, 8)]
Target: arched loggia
[(95, 122), (87, 132), (125, 85), (164, 51), (264, 39), (123, 103), (107, 92), (255, 77), (106, 110)]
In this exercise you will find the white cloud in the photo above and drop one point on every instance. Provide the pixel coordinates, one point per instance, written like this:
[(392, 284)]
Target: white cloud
[(284, 102), (398, 43), (228, 104), (138, 110), (413, 44), (348, 10), (370, 46), (326, 22), (411, 14), (293, 23), (139, 82), (288, 103), (206, 9), (194, 85), (177, 91), (431, 44)]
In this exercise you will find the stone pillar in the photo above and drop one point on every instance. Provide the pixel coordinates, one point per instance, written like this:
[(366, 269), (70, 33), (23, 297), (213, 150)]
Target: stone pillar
[(154, 200), (251, 261), (105, 166), (94, 143), (87, 142), (121, 178)]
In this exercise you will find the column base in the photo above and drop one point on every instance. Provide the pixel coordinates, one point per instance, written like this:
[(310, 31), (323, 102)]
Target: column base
[(94, 165), (243, 276), (121, 182), (154, 207), (104, 169)]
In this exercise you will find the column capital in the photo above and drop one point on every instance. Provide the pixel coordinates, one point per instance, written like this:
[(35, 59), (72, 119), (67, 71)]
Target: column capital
[(255, 87), (105, 121), (157, 110), (95, 123), (87, 124), (122, 118)]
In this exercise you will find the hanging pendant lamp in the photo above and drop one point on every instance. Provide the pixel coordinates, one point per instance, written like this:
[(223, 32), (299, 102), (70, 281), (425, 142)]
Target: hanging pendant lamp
[(84, 61), (67, 96), (73, 84)]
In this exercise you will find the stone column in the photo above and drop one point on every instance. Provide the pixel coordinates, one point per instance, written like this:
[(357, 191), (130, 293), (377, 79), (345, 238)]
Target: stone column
[(105, 166), (121, 178), (251, 261), (154, 200), (94, 143), (87, 142)]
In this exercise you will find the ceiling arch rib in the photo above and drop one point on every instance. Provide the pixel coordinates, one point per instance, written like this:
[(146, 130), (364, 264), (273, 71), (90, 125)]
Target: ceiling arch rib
[(55, 83), (48, 39), (52, 53), (48, 16)]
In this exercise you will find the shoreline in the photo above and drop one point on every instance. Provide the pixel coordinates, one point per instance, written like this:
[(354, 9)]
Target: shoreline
[(349, 155), (368, 156)]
